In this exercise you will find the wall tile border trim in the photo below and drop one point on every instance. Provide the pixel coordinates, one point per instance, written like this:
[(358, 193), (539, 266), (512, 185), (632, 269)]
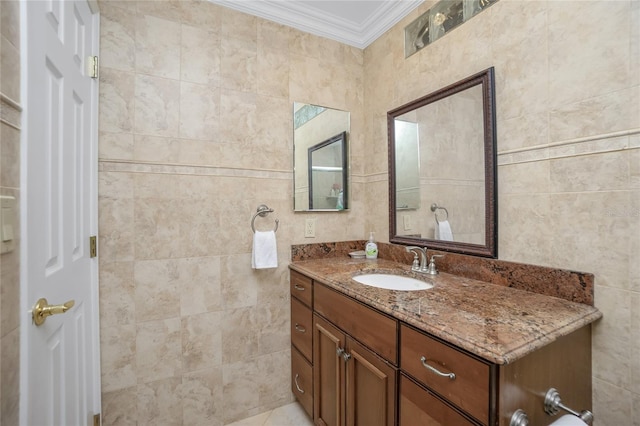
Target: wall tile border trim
[(615, 141)]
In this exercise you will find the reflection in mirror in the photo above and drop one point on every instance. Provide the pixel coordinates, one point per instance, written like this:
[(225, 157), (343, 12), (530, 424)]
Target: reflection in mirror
[(320, 150), (327, 174), (442, 174)]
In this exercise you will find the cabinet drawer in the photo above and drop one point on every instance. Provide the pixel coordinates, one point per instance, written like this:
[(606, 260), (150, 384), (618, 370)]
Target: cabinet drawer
[(470, 388), (418, 407), (301, 328), (375, 330), (301, 288), (302, 380)]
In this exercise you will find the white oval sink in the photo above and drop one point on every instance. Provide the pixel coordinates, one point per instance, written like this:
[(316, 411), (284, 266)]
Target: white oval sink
[(392, 282)]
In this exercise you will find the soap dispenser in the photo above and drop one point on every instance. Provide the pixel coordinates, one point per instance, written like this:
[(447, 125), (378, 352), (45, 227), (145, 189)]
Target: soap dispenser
[(371, 249)]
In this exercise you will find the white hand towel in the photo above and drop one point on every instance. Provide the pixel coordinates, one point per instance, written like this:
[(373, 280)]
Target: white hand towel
[(265, 251), (443, 231)]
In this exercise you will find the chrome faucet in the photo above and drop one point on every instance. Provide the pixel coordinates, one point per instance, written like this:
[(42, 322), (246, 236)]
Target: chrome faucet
[(422, 266), (422, 251)]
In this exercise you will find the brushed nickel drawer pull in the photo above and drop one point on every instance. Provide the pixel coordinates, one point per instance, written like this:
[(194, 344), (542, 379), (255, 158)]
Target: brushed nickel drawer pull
[(295, 380), (300, 328), (298, 287), (451, 376)]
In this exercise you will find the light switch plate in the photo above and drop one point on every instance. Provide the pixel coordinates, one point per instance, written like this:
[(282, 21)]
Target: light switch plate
[(406, 221), (7, 223)]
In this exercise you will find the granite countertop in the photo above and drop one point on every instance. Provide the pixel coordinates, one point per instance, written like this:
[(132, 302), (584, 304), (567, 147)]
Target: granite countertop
[(497, 323)]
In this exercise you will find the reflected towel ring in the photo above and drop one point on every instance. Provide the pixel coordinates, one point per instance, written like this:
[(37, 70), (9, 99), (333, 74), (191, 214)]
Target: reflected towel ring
[(262, 211), (435, 207)]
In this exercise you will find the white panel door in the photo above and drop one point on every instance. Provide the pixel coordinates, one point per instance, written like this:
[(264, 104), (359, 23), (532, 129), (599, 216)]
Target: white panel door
[(60, 370)]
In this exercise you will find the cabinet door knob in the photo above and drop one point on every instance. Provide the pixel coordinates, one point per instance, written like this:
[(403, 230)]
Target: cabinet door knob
[(451, 376), (298, 287), (300, 328)]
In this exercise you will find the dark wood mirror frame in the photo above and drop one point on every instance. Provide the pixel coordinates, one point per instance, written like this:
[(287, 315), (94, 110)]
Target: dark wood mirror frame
[(490, 247)]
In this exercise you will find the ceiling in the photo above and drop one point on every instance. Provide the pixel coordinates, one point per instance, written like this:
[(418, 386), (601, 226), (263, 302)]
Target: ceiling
[(354, 22)]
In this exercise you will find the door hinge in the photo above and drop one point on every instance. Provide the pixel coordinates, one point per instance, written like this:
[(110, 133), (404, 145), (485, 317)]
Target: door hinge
[(93, 66), (93, 246), (96, 419)]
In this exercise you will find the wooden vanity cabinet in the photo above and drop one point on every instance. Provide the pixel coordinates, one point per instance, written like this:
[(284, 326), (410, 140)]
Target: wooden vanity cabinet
[(352, 385), (302, 340)]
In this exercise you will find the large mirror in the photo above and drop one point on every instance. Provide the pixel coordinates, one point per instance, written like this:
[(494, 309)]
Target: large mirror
[(321, 158), (442, 169)]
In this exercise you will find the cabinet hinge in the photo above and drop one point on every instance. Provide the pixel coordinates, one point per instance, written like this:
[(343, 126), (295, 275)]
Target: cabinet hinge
[(93, 66), (93, 246), (96, 419)]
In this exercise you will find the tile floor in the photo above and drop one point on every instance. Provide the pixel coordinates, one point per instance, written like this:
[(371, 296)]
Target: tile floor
[(287, 415)]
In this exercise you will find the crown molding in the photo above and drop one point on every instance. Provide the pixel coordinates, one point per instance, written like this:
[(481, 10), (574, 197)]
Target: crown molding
[(315, 21)]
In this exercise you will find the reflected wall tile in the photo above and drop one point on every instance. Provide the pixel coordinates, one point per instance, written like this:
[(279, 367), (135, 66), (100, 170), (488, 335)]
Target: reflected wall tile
[(200, 56), (584, 63), (158, 350), (238, 65), (202, 398), (157, 106), (157, 292), (119, 408), (199, 111), (116, 102), (199, 285), (157, 46), (117, 38), (117, 355), (159, 402), (201, 341)]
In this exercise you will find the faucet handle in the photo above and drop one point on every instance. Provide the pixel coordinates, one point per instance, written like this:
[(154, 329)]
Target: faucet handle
[(431, 269)]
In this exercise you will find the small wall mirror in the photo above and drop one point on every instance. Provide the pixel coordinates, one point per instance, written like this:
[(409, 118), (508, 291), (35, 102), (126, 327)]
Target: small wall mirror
[(321, 158), (442, 177)]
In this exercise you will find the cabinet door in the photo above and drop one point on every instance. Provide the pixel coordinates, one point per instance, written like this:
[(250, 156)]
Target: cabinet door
[(328, 374), (371, 388), (418, 407)]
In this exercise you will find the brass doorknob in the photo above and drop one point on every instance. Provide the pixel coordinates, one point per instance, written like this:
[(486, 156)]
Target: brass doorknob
[(41, 310)]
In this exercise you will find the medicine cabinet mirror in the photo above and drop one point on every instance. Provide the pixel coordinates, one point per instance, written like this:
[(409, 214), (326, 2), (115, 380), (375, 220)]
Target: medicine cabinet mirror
[(321, 158), (442, 169)]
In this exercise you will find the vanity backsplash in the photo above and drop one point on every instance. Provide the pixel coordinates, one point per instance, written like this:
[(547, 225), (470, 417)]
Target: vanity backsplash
[(565, 284)]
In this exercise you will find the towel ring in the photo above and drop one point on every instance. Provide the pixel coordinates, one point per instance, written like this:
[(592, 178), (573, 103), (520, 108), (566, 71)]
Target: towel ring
[(435, 207), (262, 211)]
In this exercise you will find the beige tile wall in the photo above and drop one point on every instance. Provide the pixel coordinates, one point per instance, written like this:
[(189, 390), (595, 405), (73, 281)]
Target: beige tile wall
[(196, 131), (568, 120), (10, 112)]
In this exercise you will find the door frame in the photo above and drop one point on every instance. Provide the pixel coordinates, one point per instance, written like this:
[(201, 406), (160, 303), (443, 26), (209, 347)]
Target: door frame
[(25, 305)]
